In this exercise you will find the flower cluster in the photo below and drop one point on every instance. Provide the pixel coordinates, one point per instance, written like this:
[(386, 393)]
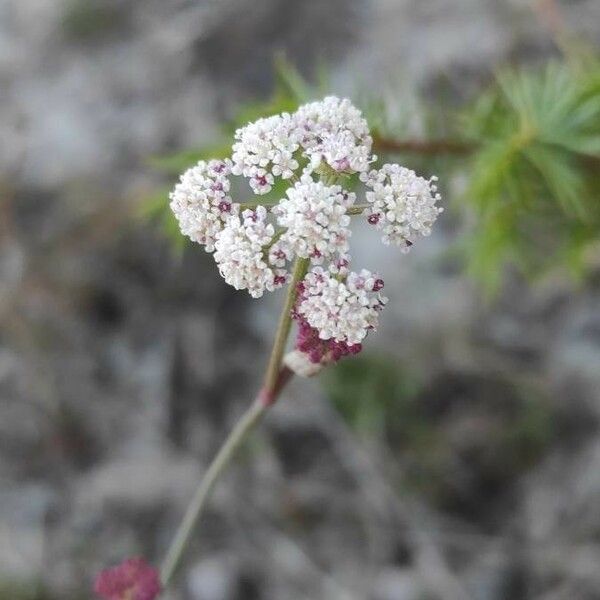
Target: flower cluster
[(342, 311), (316, 148), (133, 579), (240, 253), (264, 150), (201, 201), (402, 204), (334, 131), (315, 220)]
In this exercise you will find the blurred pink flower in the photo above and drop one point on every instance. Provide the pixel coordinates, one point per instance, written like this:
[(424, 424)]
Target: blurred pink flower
[(133, 579)]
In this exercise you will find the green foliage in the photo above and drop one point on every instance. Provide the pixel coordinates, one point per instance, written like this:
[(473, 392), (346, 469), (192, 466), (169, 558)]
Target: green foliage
[(23, 591), (533, 180), (87, 20), (174, 164), (155, 209)]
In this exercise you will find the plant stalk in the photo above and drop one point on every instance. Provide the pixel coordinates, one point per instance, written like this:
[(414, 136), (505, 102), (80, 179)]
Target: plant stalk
[(195, 509), (357, 209), (283, 329), (275, 380)]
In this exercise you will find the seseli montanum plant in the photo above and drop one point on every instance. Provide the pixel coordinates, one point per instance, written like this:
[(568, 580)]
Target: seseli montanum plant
[(302, 242)]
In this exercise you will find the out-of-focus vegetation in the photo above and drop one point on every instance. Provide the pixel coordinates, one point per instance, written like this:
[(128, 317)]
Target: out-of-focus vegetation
[(455, 437), (23, 591), (527, 151), (90, 20), (534, 175)]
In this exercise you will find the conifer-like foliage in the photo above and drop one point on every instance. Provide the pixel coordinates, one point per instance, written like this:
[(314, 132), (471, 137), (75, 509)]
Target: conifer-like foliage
[(534, 171), (526, 149)]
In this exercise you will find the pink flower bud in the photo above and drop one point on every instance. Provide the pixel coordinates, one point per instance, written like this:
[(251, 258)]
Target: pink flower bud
[(133, 579)]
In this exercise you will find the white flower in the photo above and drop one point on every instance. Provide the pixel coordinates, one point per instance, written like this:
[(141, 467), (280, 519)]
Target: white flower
[(266, 148), (315, 219), (240, 253), (339, 266), (261, 182), (335, 131), (284, 165), (201, 201), (341, 310), (402, 204), (280, 253)]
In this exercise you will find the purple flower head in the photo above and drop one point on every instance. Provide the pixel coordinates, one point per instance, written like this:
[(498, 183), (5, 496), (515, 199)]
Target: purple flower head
[(133, 579), (321, 351)]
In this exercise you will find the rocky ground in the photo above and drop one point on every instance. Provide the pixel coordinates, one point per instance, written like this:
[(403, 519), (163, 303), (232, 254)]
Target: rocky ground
[(458, 458)]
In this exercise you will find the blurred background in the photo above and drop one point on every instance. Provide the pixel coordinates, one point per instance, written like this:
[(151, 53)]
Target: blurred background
[(457, 458)]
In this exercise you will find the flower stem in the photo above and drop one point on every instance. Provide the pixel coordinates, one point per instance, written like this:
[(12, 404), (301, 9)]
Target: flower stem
[(276, 377), (195, 509), (283, 330), (357, 209), (274, 239)]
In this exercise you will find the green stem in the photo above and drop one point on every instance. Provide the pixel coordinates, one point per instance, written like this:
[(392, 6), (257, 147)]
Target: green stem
[(274, 239), (283, 330), (275, 379), (195, 509), (357, 209)]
